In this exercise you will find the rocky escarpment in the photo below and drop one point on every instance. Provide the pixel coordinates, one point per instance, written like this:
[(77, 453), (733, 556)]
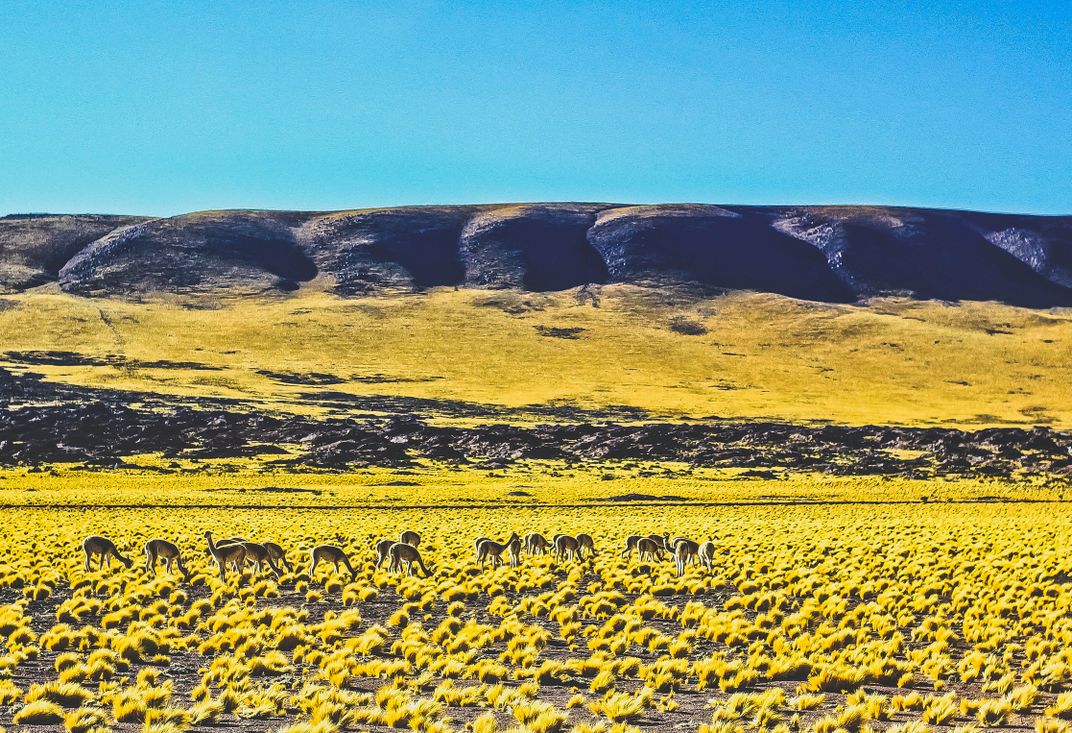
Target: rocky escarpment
[(827, 253)]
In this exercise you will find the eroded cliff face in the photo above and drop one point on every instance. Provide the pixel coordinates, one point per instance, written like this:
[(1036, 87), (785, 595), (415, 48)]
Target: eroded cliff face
[(829, 253)]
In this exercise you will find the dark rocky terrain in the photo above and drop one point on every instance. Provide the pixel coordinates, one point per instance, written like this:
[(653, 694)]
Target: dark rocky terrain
[(46, 422), (821, 253)]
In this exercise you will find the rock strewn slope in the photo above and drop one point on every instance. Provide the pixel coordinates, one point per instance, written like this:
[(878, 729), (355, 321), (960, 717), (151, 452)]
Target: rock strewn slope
[(819, 253)]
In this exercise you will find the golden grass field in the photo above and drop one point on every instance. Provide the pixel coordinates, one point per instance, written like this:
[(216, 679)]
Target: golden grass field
[(816, 618), (834, 604), (763, 356)]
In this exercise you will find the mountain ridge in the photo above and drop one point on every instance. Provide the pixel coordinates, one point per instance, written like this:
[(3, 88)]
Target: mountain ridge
[(822, 253)]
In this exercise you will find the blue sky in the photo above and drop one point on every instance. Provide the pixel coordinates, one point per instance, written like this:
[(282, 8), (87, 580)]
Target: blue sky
[(161, 108)]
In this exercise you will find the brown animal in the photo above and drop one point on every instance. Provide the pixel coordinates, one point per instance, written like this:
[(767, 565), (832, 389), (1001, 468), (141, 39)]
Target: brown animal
[(402, 552), (104, 549), (279, 555), (383, 551), (585, 542), (647, 547), (225, 555), (536, 544), (685, 551), (158, 549), (259, 556), (409, 537), (333, 555), (630, 545), (707, 554), (491, 549), (566, 546)]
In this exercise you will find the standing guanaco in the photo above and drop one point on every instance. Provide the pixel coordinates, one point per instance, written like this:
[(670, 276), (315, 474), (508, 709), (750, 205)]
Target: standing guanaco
[(514, 547), (647, 547), (383, 551), (566, 546), (104, 549), (491, 549), (160, 549), (409, 537), (585, 542), (333, 555), (402, 552), (685, 551), (707, 554), (630, 545), (259, 556), (226, 554), (536, 544), (278, 554)]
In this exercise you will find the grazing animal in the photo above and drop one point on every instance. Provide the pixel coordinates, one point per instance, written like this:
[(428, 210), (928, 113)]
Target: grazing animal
[(566, 546), (409, 537), (158, 549), (585, 542), (514, 547), (333, 555), (278, 554), (259, 556), (402, 552), (228, 541), (630, 545), (685, 551), (707, 554), (104, 549), (491, 549), (536, 544), (225, 555), (383, 551), (647, 547)]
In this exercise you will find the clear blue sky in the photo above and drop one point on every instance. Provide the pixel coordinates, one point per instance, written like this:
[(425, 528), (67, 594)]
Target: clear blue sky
[(161, 108)]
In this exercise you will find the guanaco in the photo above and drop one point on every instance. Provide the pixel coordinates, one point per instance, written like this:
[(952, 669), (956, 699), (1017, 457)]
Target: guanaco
[(494, 550), (104, 549), (566, 546), (228, 541), (585, 542), (333, 555), (402, 552), (158, 549), (707, 554), (225, 555), (647, 547), (515, 551), (536, 544), (259, 556), (383, 551), (278, 554), (630, 545), (409, 537), (685, 551)]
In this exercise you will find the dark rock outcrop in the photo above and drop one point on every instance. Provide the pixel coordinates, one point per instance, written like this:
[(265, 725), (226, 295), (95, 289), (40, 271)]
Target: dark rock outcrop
[(826, 253), (237, 251), (531, 247), (33, 248)]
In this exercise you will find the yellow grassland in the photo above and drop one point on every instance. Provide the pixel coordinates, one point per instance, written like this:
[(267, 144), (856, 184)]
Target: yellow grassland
[(810, 619), (891, 361)]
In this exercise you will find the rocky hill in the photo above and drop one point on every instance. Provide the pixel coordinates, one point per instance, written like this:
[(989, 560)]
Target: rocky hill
[(835, 254)]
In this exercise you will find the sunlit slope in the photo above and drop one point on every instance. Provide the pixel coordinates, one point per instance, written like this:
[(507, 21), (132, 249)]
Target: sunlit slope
[(741, 355)]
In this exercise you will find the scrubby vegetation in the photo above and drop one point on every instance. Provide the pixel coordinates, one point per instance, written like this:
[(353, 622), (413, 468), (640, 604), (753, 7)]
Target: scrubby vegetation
[(813, 618)]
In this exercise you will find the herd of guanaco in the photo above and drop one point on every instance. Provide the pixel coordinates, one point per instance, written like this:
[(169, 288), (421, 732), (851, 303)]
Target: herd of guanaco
[(234, 553)]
